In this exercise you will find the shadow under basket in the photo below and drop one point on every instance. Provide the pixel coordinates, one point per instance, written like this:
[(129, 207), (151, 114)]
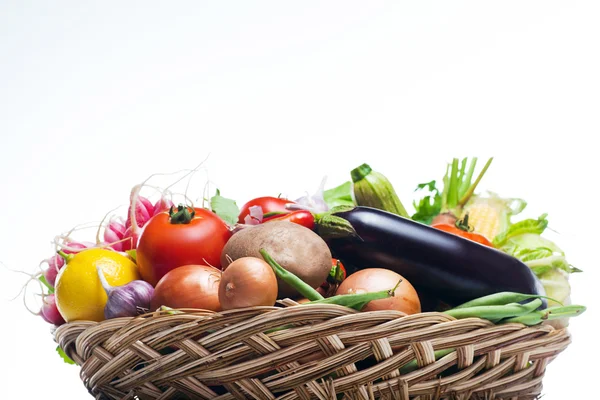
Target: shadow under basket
[(326, 352)]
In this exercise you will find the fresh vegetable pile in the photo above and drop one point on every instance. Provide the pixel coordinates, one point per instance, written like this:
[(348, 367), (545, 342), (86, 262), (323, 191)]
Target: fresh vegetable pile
[(461, 252)]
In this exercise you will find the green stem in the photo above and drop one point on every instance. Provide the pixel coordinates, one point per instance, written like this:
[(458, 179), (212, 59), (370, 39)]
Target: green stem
[(302, 287), (463, 224), (182, 215), (336, 274), (461, 174), (453, 185), (65, 256), (331, 226), (360, 172), (472, 188), (275, 213), (464, 186), (445, 182), (42, 279)]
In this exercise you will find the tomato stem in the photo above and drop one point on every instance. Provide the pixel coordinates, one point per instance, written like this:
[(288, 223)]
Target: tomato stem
[(182, 216), (463, 224)]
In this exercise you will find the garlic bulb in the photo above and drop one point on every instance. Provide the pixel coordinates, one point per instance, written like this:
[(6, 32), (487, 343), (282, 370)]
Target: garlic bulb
[(127, 300)]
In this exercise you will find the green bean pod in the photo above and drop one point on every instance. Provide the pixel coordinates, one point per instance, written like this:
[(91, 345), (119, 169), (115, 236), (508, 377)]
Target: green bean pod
[(537, 317), (495, 312), (356, 301), (501, 298), (302, 287)]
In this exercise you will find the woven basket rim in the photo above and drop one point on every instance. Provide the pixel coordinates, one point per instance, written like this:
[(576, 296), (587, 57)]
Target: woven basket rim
[(259, 352)]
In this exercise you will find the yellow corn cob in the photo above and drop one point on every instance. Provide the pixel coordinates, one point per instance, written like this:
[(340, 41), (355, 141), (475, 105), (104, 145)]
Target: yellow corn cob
[(484, 218)]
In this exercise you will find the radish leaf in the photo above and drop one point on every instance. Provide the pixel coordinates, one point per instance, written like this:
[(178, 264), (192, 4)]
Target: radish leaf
[(64, 356), (225, 208)]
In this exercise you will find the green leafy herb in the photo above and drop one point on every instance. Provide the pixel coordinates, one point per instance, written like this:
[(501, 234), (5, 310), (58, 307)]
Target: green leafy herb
[(430, 205), (339, 196), (225, 208), (64, 356), (458, 187)]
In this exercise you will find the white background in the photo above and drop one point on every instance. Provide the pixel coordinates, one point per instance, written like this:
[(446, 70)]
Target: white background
[(96, 96)]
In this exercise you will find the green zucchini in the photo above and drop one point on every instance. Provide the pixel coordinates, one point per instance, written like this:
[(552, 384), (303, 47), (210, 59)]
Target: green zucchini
[(373, 189)]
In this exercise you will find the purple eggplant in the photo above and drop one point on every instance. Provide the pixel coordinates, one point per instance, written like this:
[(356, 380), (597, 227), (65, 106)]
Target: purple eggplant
[(451, 268)]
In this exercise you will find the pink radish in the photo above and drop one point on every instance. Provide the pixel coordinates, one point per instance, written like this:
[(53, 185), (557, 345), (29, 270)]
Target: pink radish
[(49, 311), (123, 237), (144, 210), (54, 265), (56, 262), (116, 236), (162, 205), (71, 247)]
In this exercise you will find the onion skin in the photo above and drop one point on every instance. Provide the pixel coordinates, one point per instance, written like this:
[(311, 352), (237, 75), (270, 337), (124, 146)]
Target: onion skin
[(405, 299), (444, 218), (248, 282), (188, 286)]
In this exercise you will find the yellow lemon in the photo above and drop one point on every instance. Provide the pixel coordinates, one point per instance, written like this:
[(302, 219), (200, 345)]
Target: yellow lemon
[(79, 293)]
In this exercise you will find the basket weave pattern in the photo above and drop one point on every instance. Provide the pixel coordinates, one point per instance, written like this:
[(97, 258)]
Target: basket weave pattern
[(309, 352)]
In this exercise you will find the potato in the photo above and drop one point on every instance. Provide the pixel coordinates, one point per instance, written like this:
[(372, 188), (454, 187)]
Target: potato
[(296, 248)]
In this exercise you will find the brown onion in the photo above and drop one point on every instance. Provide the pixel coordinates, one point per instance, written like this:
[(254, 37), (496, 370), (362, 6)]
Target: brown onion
[(444, 218), (188, 286), (368, 280), (248, 282)]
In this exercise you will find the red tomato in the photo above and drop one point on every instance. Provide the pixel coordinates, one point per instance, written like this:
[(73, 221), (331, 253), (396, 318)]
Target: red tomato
[(300, 217), (476, 237), (268, 204), (167, 243)]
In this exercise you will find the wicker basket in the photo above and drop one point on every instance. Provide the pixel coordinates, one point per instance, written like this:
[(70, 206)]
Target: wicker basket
[(309, 352)]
